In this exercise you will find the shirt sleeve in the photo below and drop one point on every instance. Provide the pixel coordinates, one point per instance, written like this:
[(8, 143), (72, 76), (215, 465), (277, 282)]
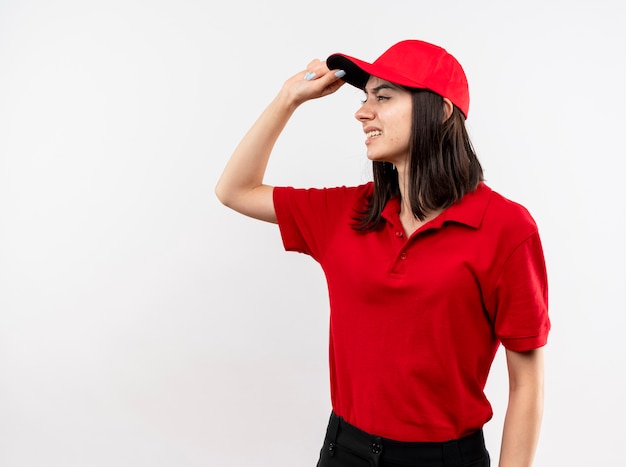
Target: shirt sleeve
[(308, 218), (521, 298)]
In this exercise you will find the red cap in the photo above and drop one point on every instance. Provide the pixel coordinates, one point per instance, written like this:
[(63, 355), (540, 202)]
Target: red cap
[(410, 63)]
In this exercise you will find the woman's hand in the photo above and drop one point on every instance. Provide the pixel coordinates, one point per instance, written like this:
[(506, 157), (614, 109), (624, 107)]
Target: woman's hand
[(314, 82)]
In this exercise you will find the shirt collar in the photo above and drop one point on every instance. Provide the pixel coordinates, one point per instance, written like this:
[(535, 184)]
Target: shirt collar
[(469, 210)]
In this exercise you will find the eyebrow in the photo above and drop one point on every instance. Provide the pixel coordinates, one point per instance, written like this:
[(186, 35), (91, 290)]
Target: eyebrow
[(381, 87)]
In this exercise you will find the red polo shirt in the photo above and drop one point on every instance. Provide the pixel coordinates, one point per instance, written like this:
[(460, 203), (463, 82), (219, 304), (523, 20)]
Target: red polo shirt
[(415, 322)]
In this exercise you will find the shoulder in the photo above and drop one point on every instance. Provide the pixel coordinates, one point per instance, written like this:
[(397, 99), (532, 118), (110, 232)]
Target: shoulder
[(485, 209), (508, 211), (508, 220)]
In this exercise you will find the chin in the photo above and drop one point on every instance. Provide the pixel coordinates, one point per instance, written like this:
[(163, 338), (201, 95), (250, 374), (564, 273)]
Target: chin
[(377, 158)]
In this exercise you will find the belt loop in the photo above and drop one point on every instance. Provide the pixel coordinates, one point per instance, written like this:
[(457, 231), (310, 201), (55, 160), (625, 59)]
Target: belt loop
[(333, 430), (452, 454)]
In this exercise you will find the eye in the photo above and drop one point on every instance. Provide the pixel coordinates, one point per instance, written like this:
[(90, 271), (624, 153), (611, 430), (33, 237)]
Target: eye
[(377, 97)]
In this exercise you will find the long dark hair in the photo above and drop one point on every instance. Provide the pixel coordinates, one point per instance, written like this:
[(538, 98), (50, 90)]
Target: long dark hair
[(443, 166)]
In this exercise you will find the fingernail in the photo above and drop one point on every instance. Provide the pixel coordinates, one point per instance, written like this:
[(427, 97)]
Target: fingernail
[(340, 74), (310, 76)]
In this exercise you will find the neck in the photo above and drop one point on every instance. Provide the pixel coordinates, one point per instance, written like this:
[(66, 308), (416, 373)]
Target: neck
[(409, 221), (403, 185)]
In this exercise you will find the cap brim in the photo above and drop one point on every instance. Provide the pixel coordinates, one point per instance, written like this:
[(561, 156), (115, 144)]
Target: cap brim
[(358, 72), (355, 69)]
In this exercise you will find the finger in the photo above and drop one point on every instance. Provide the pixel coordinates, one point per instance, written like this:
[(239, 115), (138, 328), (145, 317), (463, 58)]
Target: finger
[(313, 63), (315, 69), (311, 69), (328, 82), (333, 86)]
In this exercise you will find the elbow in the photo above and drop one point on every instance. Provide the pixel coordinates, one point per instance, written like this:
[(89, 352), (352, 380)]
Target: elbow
[(230, 196), (222, 195), (218, 193), (256, 202)]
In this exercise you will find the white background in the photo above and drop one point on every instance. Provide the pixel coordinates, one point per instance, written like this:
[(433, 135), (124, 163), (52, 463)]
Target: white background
[(144, 324)]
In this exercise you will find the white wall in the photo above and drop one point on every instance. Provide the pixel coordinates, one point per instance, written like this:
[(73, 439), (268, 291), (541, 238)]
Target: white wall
[(144, 324)]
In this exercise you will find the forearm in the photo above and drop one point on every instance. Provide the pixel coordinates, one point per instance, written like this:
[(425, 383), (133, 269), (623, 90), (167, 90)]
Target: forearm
[(245, 170), (523, 420), (521, 428)]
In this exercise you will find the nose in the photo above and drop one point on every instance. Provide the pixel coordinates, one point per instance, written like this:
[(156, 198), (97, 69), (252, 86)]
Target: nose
[(364, 113)]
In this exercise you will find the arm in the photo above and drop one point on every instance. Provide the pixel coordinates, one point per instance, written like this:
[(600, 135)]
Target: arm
[(241, 185), (525, 408)]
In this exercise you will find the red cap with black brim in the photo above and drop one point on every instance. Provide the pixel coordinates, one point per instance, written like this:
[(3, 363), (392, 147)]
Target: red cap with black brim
[(410, 63)]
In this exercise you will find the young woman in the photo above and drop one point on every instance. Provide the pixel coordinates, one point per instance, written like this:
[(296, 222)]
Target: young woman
[(428, 269)]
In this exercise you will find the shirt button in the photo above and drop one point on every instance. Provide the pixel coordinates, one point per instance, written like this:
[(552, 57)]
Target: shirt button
[(399, 234), (403, 255)]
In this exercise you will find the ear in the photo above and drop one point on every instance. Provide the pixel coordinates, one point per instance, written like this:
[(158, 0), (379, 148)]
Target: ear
[(447, 108)]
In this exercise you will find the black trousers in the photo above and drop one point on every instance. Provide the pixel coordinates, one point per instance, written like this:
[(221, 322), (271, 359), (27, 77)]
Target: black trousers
[(347, 446)]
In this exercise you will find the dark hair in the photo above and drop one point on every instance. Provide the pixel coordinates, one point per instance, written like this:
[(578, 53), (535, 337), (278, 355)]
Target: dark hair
[(443, 166)]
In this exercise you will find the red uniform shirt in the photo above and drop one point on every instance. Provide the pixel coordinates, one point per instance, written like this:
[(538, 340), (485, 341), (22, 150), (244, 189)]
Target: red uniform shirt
[(415, 322)]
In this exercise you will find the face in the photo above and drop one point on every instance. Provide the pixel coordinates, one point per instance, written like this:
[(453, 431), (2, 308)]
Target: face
[(386, 116)]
